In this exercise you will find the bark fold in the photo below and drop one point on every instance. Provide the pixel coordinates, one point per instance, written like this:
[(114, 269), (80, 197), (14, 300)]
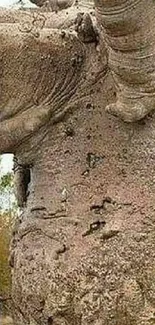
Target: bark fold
[(129, 31)]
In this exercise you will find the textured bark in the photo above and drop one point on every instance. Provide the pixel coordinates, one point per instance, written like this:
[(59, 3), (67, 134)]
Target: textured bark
[(129, 29), (83, 248), (35, 86), (54, 5), (84, 252)]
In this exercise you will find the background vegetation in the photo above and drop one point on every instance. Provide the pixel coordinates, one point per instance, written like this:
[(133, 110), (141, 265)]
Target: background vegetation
[(8, 211)]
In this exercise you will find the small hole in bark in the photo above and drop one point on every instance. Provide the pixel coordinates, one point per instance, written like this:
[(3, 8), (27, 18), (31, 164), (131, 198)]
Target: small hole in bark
[(141, 122), (50, 320), (69, 131), (93, 160)]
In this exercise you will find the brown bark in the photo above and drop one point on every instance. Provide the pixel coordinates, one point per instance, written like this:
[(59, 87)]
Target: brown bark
[(54, 5), (83, 249), (129, 29), (84, 252)]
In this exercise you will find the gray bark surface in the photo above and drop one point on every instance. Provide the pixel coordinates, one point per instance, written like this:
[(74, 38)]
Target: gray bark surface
[(84, 252), (83, 249)]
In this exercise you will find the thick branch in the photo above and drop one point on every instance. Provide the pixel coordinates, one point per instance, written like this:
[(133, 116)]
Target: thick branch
[(53, 4)]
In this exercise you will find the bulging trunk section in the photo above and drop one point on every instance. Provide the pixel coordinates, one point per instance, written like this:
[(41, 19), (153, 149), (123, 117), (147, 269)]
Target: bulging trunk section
[(49, 85), (129, 31), (83, 252)]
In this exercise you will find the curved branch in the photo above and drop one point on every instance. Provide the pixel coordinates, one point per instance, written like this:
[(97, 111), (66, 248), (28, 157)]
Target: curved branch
[(54, 5)]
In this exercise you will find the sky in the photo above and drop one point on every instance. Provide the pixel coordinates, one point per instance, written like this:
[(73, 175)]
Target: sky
[(7, 3), (6, 163)]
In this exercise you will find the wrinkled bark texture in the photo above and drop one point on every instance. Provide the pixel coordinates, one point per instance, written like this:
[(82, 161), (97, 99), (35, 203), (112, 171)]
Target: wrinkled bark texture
[(129, 30), (83, 249)]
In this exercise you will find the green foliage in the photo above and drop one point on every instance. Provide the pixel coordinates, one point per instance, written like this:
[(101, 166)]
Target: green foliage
[(5, 234), (6, 182), (8, 211)]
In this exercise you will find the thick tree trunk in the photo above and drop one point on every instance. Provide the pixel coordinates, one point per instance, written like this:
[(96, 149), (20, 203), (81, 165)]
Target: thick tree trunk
[(83, 251)]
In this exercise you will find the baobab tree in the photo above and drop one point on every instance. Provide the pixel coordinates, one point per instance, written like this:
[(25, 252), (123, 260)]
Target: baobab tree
[(83, 249)]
